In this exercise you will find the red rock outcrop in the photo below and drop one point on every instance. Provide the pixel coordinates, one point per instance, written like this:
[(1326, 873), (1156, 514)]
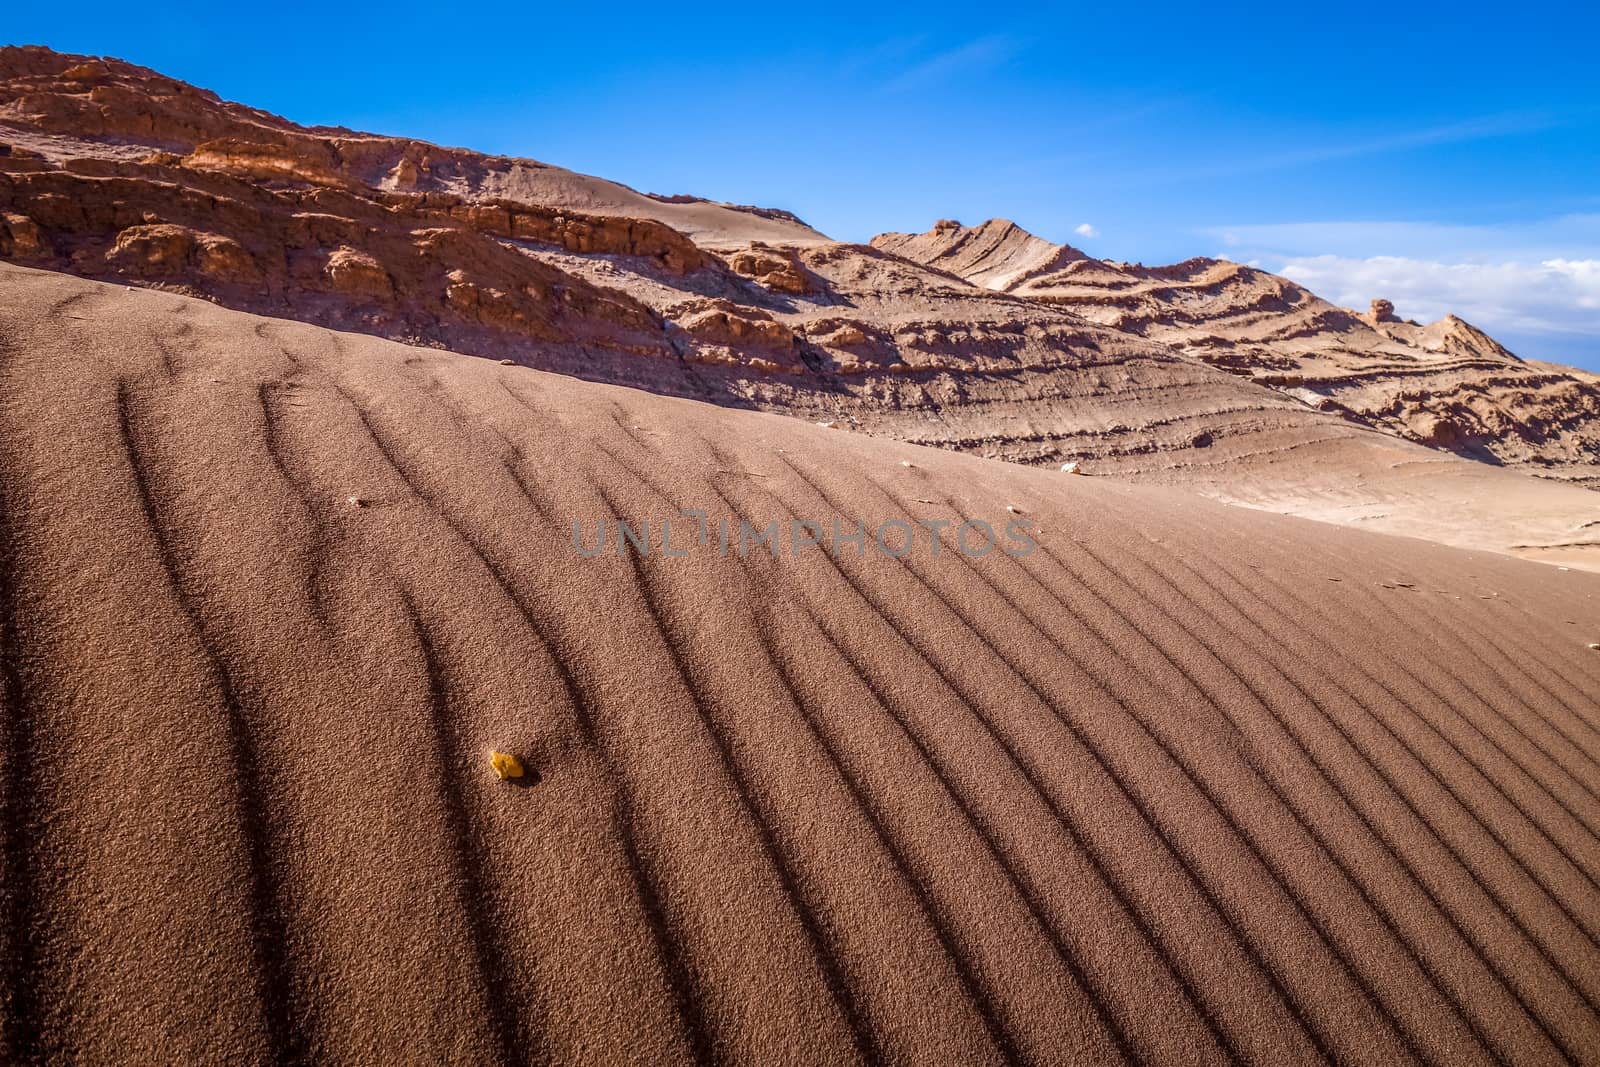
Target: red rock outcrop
[(316, 253), (1382, 311), (358, 273), (86, 106), (777, 270)]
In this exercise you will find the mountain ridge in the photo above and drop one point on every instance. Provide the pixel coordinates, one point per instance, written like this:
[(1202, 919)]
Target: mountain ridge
[(1445, 384), (1203, 374)]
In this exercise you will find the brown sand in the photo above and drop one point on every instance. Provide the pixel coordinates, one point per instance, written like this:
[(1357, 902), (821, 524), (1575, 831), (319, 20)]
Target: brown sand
[(1190, 784)]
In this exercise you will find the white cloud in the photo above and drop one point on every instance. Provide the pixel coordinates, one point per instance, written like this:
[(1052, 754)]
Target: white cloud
[(1332, 144), (1532, 284), (1086, 230), (1552, 296)]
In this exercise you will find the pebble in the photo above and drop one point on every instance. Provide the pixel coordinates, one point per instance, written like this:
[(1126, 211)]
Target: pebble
[(355, 502), (508, 363), (505, 765)]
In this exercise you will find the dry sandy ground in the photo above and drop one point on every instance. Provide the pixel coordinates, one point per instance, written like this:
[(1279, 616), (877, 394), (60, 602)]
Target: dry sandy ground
[(1189, 784)]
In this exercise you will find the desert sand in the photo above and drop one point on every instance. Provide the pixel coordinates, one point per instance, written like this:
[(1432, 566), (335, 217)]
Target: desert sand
[(1189, 784), (1270, 751)]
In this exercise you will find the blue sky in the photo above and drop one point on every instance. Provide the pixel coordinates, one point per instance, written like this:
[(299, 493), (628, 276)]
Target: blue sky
[(1446, 156)]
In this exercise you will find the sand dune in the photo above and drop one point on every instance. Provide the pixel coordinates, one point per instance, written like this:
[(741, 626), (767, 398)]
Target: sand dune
[(1188, 784)]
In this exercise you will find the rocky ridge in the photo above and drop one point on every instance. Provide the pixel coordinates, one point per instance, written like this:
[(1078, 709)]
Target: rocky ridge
[(987, 340), (1446, 384)]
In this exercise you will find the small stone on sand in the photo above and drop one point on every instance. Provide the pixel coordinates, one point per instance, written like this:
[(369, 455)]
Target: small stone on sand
[(355, 502), (505, 765), (508, 363)]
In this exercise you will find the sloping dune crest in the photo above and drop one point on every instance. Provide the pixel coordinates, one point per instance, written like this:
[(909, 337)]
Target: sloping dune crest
[(1188, 784)]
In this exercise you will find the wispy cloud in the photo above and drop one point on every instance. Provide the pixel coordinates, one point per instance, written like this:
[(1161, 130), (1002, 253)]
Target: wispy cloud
[(1086, 230), (1480, 128), (983, 53), (893, 52)]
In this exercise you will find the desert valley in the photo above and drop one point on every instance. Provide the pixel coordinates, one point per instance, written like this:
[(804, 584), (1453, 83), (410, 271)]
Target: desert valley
[(1273, 738)]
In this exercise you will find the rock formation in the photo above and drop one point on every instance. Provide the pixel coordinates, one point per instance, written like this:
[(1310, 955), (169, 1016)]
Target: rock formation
[(984, 339), (1448, 384)]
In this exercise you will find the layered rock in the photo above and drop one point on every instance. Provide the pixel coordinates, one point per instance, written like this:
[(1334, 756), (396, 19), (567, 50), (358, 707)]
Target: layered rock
[(67, 106), (381, 265), (775, 269), (983, 339), (1448, 384)]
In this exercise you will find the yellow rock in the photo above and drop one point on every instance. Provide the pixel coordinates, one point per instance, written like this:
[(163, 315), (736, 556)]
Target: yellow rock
[(505, 765)]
